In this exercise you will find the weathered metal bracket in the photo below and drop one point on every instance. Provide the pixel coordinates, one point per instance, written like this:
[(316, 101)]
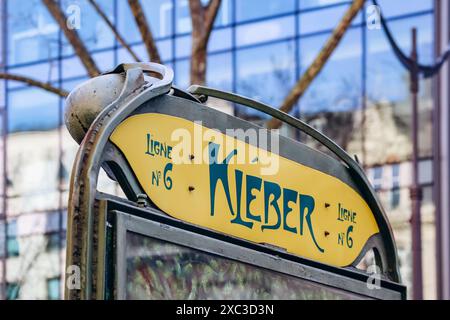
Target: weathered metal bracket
[(87, 165)]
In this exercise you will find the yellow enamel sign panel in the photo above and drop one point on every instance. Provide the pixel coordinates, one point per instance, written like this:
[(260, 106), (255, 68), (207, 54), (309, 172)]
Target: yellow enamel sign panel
[(294, 207)]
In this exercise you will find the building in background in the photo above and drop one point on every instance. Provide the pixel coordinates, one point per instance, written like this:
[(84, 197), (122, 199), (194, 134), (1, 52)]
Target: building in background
[(258, 48)]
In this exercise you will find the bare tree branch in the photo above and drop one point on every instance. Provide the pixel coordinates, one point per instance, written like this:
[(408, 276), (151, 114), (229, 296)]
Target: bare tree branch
[(144, 29), (73, 37), (212, 9), (318, 63), (114, 30), (203, 18), (35, 83)]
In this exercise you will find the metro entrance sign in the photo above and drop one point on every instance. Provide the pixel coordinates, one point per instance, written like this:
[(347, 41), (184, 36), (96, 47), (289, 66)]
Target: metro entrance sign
[(286, 209), (221, 189)]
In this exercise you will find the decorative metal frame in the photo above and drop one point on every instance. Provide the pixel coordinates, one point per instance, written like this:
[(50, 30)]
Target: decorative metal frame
[(95, 224), (257, 255)]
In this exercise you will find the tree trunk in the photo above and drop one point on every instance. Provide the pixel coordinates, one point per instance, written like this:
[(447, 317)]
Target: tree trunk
[(198, 65), (318, 63), (202, 18)]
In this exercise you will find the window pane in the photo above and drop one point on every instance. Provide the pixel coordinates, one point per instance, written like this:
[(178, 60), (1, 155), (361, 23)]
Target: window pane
[(158, 14), (220, 40), (38, 223), (391, 8), (45, 72), (124, 56), (395, 198), (266, 73), (183, 46), (308, 4), (93, 31), (12, 291), (126, 23), (183, 19), (12, 247), (265, 31), (183, 15), (72, 67), (33, 171), (33, 33), (53, 288), (31, 110), (11, 228), (53, 242), (332, 102), (377, 178), (182, 76), (219, 73), (329, 19), (252, 9), (225, 14), (388, 97), (340, 79)]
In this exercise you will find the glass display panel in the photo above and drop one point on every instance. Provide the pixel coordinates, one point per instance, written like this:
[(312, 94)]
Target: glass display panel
[(157, 269)]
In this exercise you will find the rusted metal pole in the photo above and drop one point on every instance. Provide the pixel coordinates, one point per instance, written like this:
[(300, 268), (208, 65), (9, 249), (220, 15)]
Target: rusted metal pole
[(415, 190)]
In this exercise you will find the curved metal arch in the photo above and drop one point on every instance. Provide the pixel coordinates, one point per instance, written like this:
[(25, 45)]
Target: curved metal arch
[(136, 91), (87, 164), (390, 263)]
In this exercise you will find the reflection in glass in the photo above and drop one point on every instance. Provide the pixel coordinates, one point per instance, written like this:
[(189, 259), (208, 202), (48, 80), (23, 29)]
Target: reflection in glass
[(328, 18), (219, 75), (388, 114), (32, 109), (12, 291), (183, 16), (391, 8), (332, 103), (182, 77), (265, 31), (33, 34), (266, 73), (45, 72), (94, 32), (12, 243), (308, 4), (161, 270), (252, 9), (33, 157), (53, 288), (72, 67)]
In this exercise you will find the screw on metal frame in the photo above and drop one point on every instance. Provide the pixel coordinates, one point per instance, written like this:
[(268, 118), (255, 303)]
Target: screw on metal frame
[(142, 200)]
